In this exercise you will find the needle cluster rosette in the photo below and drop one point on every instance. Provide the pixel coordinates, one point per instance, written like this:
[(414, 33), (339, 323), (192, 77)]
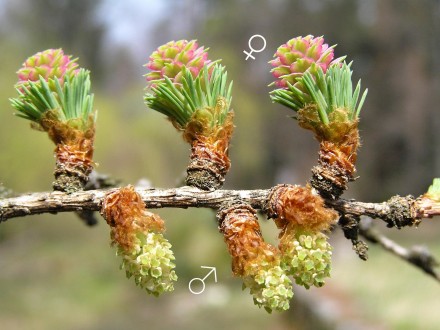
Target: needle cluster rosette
[(320, 90), (55, 95), (138, 236), (194, 93), (255, 261)]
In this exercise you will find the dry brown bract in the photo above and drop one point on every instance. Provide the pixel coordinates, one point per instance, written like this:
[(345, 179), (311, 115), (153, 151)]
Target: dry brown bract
[(241, 230), (73, 152), (126, 214), (209, 154), (299, 207)]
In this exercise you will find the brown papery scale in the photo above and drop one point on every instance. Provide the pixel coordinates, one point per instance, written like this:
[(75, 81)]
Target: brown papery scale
[(339, 141), (299, 207), (126, 214), (209, 160), (73, 152), (241, 231)]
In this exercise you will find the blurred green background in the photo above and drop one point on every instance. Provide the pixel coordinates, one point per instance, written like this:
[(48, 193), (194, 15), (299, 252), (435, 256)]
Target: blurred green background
[(57, 273)]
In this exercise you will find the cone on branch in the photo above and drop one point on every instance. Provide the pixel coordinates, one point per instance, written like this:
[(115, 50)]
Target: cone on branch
[(195, 95), (254, 260), (169, 59), (49, 64), (300, 55), (55, 96), (302, 217), (326, 103), (138, 236)]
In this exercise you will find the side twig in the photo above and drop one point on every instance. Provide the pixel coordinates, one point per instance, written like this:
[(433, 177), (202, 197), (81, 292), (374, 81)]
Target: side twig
[(418, 256)]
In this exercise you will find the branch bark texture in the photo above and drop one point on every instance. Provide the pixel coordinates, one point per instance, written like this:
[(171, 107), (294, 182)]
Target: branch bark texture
[(183, 197), (398, 211)]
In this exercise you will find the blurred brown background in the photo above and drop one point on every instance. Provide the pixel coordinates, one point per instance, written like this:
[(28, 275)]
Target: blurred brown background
[(57, 273)]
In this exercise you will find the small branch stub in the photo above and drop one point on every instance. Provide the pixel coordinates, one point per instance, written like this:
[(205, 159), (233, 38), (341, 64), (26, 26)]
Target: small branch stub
[(336, 163), (402, 212), (74, 162), (209, 154), (349, 224)]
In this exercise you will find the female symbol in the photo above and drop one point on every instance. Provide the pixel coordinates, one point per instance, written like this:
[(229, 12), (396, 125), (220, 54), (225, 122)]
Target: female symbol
[(252, 49)]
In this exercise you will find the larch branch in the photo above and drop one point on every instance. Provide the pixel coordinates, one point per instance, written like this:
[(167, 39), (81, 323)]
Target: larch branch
[(398, 211)]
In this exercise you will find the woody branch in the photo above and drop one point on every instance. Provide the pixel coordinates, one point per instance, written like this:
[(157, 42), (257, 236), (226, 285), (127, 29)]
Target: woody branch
[(402, 210)]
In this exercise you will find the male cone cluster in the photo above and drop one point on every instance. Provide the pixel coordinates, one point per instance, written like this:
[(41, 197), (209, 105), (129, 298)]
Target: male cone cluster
[(256, 261), (302, 218), (138, 236)]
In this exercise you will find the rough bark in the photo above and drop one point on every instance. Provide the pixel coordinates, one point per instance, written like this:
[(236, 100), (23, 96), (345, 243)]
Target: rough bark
[(397, 211)]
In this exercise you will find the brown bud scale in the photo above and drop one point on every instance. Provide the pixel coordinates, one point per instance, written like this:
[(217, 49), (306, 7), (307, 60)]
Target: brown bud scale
[(241, 230), (209, 160), (336, 165), (126, 214), (73, 165), (208, 165), (299, 207), (73, 152), (426, 207)]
